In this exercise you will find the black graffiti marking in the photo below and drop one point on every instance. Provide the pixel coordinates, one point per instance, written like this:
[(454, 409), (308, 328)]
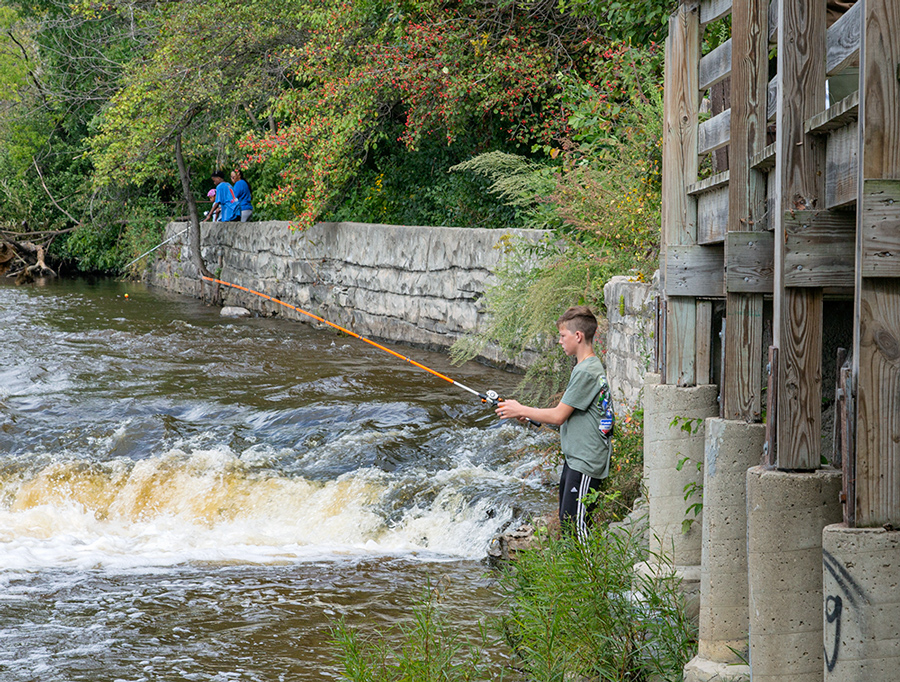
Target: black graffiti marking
[(842, 577), (834, 606)]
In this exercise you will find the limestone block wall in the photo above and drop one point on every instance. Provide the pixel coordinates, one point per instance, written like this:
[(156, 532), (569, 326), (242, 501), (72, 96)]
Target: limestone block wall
[(629, 344), (418, 285)]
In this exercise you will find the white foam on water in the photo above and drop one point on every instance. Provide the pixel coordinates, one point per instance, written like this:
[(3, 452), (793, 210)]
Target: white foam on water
[(211, 505)]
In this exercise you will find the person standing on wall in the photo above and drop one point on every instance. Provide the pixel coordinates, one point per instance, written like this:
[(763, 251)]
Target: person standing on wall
[(226, 200), (586, 420), (242, 192)]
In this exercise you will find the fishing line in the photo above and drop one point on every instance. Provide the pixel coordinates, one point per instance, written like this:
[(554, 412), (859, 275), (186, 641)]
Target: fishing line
[(491, 397), (155, 248)]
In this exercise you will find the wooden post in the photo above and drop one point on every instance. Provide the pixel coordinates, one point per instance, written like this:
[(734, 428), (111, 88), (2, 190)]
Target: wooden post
[(799, 162), (742, 370), (679, 169), (876, 362)]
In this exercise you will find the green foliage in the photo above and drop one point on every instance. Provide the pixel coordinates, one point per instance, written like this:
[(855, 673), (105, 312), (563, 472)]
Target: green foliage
[(573, 610), (601, 195), (577, 608), (412, 187), (417, 74), (638, 22)]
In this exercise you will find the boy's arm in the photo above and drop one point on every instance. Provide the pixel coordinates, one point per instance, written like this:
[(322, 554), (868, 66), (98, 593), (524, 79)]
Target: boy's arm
[(513, 409)]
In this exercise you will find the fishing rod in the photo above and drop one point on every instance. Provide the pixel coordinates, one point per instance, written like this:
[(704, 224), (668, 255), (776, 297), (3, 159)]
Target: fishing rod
[(491, 397)]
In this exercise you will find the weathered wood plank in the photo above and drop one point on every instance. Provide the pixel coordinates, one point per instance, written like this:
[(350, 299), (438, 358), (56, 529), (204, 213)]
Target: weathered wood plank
[(773, 22), (881, 228), (798, 312), (800, 382), (745, 269), (876, 362), (842, 167), (844, 411), (743, 366), (681, 324), (843, 37), (764, 161), (695, 270), (704, 342), (716, 66), (819, 249), (679, 166), (750, 263), (835, 117), (878, 417), (708, 184), (882, 91), (772, 99), (771, 446), (711, 10), (714, 133), (712, 216)]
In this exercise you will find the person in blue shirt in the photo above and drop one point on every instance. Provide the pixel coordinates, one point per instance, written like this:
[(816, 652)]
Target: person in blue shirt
[(242, 192), (226, 200)]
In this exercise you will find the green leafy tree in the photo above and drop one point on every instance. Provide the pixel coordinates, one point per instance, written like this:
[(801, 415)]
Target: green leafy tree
[(415, 74), (209, 71)]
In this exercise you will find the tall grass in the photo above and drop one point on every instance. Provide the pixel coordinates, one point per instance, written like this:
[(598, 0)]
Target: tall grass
[(574, 611)]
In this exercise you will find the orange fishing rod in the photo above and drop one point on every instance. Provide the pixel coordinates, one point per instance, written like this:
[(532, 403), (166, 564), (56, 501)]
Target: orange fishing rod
[(487, 397)]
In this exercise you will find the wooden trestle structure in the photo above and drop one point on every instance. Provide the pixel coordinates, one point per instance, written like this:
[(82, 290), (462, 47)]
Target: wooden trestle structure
[(798, 234)]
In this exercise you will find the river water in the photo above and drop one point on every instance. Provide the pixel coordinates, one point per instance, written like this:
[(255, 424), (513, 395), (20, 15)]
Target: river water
[(187, 497)]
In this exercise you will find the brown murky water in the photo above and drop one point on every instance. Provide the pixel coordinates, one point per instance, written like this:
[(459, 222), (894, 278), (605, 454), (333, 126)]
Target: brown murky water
[(184, 497)]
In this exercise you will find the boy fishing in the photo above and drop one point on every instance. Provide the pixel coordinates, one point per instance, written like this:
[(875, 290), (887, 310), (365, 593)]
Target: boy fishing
[(584, 415)]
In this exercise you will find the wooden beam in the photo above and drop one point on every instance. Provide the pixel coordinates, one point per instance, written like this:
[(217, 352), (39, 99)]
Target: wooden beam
[(711, 10), (877, 327), (704, 342), (819, 249), (714, 133), (679, 171), (749, 263), (749, 251), (716, 66), (693, 270), (837, 116), (708, 184), (798, 313), (880, 216), (771, 446), (842, 167), (712, 216), (843, 40), (878, 419)]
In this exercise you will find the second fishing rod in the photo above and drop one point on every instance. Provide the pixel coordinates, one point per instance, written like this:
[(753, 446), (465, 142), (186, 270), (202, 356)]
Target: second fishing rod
[(490, 397)]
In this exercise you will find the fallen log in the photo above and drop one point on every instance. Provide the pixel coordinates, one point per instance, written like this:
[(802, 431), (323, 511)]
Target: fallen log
[(26, 261)]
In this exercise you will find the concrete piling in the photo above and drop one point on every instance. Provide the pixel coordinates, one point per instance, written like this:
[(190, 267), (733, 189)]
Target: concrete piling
[(786, 515), (861, 615)]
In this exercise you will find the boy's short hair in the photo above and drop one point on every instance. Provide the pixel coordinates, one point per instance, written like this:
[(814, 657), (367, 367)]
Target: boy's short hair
[(579, 318)]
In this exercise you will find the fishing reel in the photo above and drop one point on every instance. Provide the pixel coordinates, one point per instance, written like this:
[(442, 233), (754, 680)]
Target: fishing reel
[(493, 398)]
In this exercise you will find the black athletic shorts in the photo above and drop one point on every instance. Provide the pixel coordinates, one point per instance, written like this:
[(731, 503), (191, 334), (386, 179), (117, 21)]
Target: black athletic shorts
[(574, 515)]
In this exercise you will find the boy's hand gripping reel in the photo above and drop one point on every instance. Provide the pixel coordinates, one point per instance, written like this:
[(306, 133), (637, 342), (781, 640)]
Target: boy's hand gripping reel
[(494, 399)]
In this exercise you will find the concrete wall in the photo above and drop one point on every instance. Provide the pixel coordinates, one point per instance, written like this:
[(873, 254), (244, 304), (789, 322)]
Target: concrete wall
[(416, 285)]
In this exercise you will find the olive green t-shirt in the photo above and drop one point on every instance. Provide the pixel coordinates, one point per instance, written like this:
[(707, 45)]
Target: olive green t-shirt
[(586, 449)]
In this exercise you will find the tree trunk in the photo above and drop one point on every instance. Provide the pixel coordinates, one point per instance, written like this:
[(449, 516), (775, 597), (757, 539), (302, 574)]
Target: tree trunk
[(194, 217)]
